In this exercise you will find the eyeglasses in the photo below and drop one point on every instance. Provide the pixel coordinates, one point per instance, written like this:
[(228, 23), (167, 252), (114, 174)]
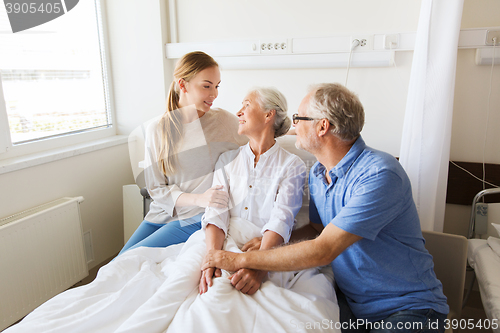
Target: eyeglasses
[(296, 118)]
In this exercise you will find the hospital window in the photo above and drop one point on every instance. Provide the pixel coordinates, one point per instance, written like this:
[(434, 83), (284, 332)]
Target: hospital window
[(54, 75)]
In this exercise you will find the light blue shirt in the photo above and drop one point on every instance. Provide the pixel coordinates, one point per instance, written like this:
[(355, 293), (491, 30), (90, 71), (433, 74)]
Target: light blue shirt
[(389, 269)]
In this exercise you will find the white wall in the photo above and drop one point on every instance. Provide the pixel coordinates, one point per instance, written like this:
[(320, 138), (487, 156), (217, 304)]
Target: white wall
[(226, 19), (470, 111), (97, 176), (382, 91), (137, 32), (472, 131), (470, 126)]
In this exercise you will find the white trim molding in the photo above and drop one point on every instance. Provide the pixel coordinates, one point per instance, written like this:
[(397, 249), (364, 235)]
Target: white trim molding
[(27, 161), (376, 50)]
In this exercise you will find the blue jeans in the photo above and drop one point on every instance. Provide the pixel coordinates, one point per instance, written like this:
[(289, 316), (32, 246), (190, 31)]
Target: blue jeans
[(162, 235), (405, 321)]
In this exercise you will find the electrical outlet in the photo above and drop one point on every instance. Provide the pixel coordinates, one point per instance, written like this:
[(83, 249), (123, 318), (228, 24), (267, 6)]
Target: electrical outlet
[(391, 42), (490, 34), (365, 42), (274, 46)]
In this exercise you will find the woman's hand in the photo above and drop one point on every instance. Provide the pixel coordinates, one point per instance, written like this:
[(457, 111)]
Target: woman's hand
[(206, 278), (214, 237), (213, 197), (247, 281), (252, 245)]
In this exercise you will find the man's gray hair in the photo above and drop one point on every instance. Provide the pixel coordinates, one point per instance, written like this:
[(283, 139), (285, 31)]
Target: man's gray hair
[(340, 106), (271, 99)]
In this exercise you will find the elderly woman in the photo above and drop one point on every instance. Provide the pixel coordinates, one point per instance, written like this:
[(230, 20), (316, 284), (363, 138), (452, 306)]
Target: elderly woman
[(264, 181)]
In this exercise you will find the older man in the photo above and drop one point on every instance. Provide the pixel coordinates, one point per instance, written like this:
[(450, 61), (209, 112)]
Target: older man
[(362, 205)]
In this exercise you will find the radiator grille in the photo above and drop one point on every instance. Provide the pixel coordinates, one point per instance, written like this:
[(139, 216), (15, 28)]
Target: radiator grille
[(32, 211), (41, 255)]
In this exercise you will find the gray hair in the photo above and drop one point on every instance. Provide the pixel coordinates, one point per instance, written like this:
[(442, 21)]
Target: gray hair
[(271, 99), (341, 107)]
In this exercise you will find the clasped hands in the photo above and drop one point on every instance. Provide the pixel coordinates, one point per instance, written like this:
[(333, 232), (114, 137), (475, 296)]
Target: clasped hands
[(246, 280)]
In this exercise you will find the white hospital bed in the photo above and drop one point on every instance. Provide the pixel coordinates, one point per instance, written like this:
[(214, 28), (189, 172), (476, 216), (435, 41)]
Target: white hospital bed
[(156, 290), (144, 290), (484, 258)]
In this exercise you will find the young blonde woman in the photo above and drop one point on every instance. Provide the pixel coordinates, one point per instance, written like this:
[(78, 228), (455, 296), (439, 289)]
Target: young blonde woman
[(182, 148), (265, 183)]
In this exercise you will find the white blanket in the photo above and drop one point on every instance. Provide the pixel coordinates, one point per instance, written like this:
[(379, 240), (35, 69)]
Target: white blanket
[(156, 290)]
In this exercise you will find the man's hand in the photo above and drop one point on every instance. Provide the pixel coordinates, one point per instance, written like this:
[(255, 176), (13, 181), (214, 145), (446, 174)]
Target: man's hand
[(206, 278), (229, 261), (247, 281), (252, 245)]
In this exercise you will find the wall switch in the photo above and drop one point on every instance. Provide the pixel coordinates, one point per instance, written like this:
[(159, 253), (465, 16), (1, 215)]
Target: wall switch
[(481, 226)]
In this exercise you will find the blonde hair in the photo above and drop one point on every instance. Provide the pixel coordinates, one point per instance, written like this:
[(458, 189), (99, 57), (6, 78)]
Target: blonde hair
[(170, 124)]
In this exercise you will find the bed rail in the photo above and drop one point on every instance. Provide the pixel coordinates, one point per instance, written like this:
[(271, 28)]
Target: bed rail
[(471, 234), (479, 195)]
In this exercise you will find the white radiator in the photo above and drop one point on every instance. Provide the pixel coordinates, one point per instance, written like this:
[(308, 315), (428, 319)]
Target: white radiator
[(41, 255)]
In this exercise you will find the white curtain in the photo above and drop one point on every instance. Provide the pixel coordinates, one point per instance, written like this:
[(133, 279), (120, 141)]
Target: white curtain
[(425, 145)]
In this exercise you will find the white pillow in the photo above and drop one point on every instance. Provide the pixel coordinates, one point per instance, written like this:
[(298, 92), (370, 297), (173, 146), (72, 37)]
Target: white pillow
[(497, 227)]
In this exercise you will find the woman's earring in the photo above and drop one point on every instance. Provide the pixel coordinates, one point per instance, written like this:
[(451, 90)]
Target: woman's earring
[(182, 86)]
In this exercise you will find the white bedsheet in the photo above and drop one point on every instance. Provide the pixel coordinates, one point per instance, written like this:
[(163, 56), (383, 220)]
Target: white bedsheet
[(486, 264), (156, 290)]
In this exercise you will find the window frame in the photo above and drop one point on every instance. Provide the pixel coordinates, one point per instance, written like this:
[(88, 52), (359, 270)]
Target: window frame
[(5, 140), (65, 140)]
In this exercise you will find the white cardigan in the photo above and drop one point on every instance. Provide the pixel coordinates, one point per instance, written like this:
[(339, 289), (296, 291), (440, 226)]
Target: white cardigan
[(204, 140)]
